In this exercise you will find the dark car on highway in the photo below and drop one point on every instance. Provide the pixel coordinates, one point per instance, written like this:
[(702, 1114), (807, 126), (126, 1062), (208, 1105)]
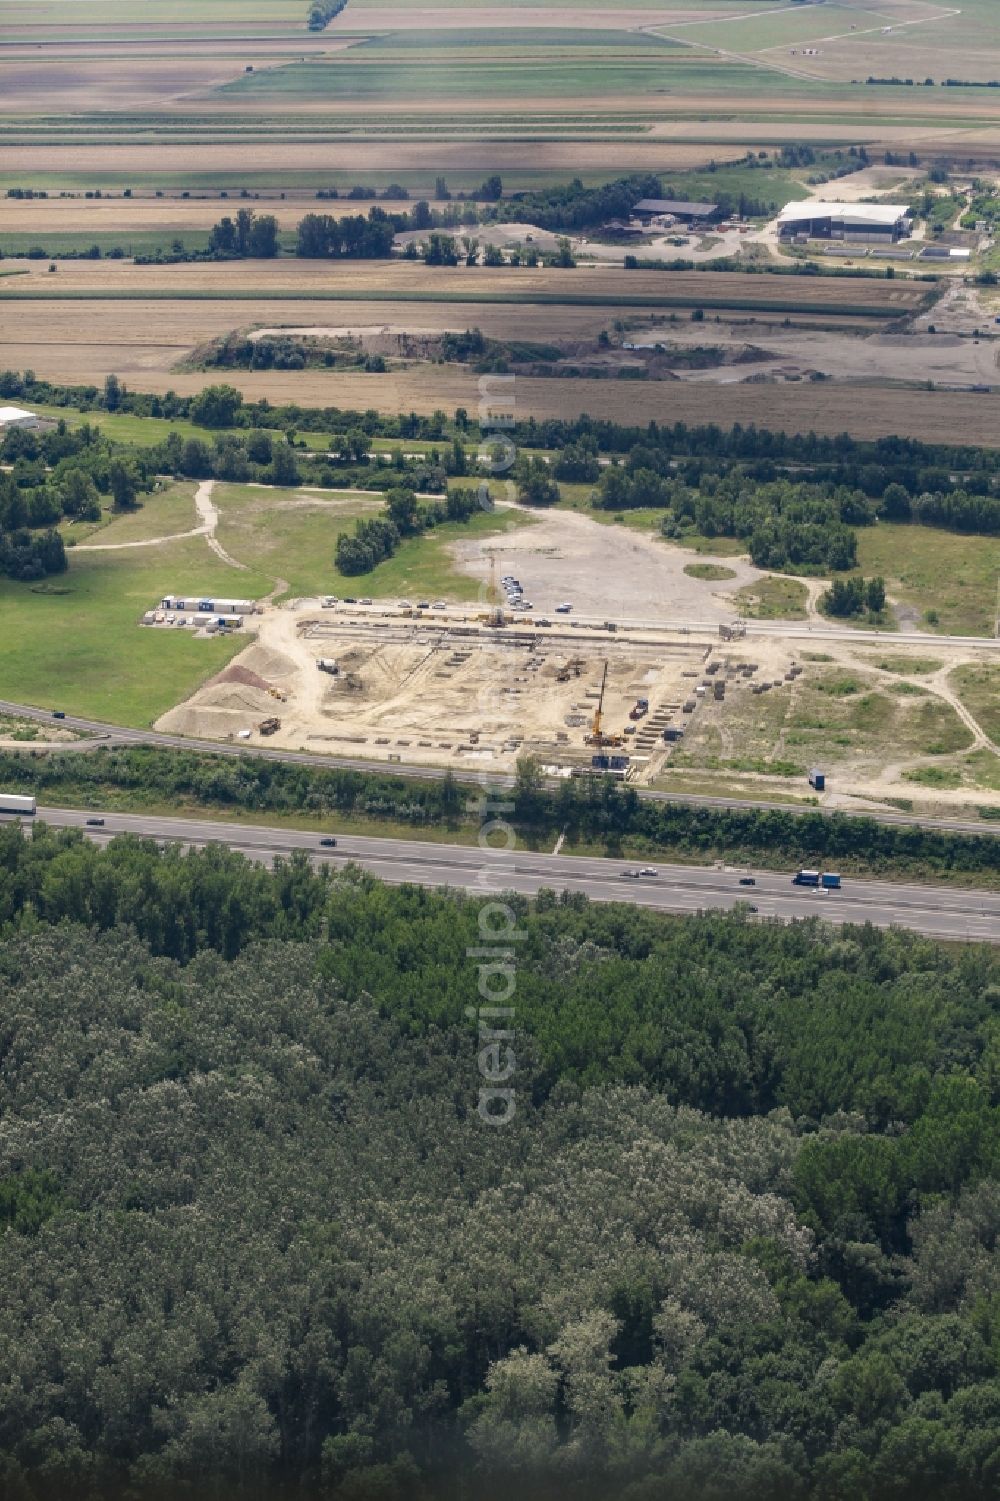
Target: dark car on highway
[(95, 823), (748, 880), (328, 844)]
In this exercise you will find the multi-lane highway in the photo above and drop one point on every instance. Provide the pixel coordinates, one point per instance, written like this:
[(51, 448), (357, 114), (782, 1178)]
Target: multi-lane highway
[(104, 735), (940, 912)]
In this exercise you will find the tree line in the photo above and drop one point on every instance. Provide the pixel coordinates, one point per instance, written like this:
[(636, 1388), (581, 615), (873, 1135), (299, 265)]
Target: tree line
[(869, 464), (592, 809)]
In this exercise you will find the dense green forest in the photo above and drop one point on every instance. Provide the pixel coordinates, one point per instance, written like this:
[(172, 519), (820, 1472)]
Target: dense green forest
[(738, 1237)]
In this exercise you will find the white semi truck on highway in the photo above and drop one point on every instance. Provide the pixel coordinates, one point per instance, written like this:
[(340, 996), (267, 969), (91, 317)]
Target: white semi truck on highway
[(17, 802)]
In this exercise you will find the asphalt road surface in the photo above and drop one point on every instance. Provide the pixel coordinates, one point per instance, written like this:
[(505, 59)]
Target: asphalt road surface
[(938, 912), (105, 735)]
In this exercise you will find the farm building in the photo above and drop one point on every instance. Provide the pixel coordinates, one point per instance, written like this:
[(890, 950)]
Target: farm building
[(16, 417), (675, 208), (865, 223)]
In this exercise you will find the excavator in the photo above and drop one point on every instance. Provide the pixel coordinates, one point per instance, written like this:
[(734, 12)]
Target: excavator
[(598, 735)]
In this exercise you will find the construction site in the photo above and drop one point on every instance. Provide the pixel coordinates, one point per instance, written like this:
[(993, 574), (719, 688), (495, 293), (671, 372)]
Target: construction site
[(459, 689)]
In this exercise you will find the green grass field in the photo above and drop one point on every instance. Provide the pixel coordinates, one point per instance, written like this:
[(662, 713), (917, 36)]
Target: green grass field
[(348, 78), (139, 242), (776, 26), (280, 534), (74, 642), (774, 598), (163, 514), (943, 582)]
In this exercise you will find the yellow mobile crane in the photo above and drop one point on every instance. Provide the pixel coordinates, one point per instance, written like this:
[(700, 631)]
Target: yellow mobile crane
[(598, 735)]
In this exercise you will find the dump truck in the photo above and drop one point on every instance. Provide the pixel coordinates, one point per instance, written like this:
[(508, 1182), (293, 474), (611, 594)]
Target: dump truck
[(327, 664), (269, 726)]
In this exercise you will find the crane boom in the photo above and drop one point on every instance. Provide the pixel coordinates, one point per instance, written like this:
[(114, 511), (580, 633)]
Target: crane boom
[(599, 711)]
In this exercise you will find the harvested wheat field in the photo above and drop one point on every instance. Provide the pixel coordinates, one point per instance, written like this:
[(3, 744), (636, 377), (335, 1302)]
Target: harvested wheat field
[(403, 279), (141, 215)]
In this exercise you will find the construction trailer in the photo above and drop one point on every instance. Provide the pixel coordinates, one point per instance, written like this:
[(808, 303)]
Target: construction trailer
[(215, 606)]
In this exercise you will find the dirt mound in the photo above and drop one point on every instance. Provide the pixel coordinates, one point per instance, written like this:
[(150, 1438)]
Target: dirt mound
[(237, 674)]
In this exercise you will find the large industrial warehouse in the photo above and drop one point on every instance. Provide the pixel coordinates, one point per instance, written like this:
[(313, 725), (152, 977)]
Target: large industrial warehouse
[(867, 223)]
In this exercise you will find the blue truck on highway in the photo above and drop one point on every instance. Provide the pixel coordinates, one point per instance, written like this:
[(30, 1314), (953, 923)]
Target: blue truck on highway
[(828, 879)]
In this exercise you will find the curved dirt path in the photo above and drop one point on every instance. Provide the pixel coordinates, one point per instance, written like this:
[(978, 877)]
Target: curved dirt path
[(209, 513), (198, 531)]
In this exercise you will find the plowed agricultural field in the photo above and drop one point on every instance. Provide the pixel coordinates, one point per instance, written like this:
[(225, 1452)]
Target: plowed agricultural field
[(942, 417), (179, 162)]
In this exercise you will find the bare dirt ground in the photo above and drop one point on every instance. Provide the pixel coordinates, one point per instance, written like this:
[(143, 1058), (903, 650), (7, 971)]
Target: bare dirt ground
[(612, 570), (944, 357), (440, 693), (81, 84), (516, 17)]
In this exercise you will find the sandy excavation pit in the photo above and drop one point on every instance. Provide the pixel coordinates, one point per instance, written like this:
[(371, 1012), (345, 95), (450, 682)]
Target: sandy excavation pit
[(452, 693)]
